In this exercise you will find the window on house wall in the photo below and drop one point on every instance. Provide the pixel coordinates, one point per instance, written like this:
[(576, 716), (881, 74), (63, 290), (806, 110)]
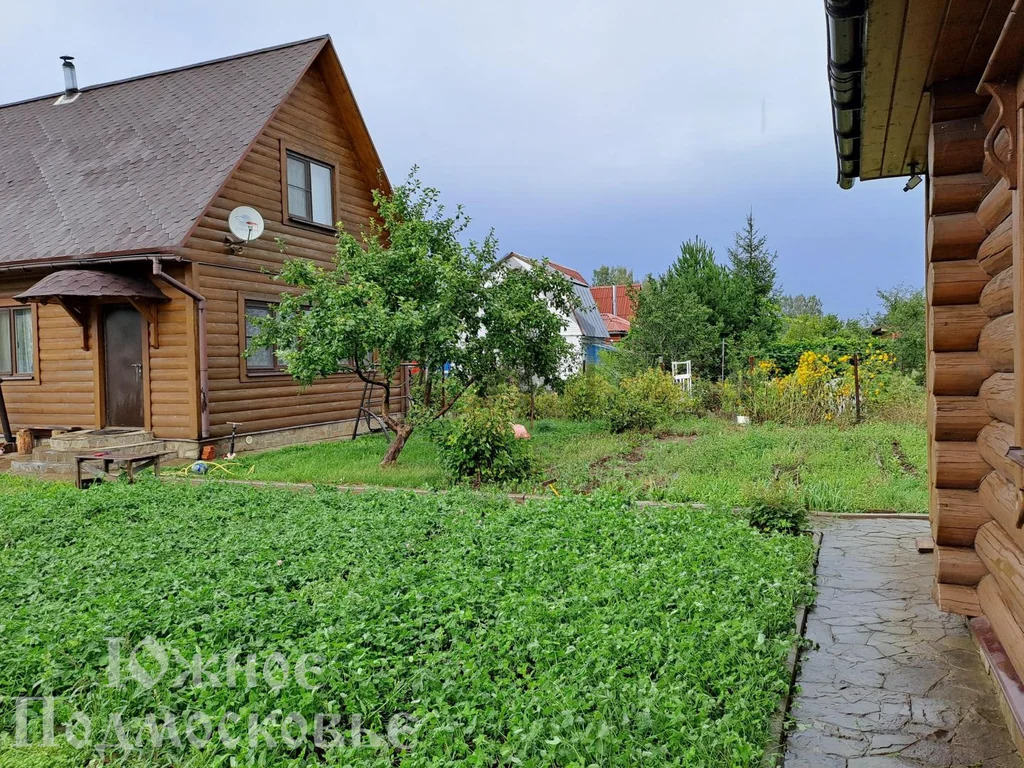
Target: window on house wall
[(17, 342), (310, 191), (264, 359)]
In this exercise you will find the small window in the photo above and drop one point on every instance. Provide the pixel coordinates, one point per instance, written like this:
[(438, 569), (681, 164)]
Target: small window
[(263, 359), (310, 191), (17, 342)]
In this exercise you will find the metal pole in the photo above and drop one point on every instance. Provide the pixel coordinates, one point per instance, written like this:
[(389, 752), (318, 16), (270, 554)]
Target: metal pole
[(856, 385)]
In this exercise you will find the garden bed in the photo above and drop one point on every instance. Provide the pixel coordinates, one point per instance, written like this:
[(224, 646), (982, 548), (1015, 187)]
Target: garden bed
[(575, 631), (870, 467)]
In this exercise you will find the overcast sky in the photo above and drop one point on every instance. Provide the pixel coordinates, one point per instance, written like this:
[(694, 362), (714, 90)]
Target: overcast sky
[(589, 132)]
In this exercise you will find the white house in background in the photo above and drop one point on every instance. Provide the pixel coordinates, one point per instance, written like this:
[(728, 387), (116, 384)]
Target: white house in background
[(585, 330)]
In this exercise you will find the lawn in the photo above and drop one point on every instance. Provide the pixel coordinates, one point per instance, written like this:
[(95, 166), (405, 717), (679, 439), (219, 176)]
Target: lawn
[(571, 632), (873, 466)]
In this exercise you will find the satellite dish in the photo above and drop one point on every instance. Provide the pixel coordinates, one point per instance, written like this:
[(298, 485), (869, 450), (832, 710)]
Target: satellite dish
[(246, 223)]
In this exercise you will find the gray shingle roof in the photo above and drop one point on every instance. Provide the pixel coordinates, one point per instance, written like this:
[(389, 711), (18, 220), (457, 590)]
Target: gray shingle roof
[(131, 165), (89, 283)]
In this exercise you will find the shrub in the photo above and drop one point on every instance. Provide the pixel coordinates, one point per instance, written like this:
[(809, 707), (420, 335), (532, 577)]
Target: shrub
[(588, 397), (631, 412), (775, 508), (547, 404), (658, 388), (705, 398), (479, 442)]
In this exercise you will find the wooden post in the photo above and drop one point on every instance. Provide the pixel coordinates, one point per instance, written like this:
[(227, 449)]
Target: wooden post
[(856, 386)]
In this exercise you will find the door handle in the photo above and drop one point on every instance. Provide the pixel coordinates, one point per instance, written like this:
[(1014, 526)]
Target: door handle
[(138, 371)]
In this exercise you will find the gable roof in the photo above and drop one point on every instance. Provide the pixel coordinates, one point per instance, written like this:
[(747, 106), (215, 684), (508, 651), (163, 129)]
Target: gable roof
[(615, 299), (571, 273), (586, 313), (130, 166)]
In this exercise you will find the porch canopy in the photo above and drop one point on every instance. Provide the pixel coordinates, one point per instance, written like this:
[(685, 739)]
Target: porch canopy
[(77, 289)]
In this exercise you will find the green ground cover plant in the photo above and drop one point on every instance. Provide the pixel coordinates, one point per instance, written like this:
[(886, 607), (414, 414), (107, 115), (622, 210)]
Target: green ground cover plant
[(872, 466), (573, 632)]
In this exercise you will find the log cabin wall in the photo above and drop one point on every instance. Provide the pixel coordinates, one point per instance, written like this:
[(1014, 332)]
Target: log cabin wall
[(61, 393), (974, 353), (308, 122), (66, 389)]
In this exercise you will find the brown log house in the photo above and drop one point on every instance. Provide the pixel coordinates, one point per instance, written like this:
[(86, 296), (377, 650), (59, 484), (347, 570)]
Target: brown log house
[(123, 293), (935, 88)]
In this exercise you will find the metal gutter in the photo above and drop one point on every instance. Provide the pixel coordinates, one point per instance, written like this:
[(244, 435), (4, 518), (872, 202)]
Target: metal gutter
[(34, 265), (846, 26)]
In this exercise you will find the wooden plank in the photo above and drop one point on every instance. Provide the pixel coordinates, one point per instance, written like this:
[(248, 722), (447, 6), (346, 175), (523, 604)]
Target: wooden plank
[(909, 92), (957, 464), (954, 236), (954, 598), (961, 193), (957, 328), (957, 373), (956, 515), (956, 147), (959, 565), (885, 31), (957, 418), (956, 282), (988, 33), (961, 24)]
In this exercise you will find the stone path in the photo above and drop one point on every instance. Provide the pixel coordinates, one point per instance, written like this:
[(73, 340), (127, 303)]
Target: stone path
[(893, 681)]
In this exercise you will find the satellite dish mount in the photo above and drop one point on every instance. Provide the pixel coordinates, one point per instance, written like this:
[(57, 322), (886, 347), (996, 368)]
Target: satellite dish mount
[(245, 224)]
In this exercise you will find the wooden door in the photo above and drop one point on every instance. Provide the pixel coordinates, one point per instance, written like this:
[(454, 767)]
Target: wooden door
[(122, 366)]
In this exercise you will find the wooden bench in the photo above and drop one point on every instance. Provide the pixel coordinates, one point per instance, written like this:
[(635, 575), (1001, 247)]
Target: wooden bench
[(108, 461)]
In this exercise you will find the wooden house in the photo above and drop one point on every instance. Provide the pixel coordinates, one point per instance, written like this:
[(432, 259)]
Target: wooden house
[(124, 294), (584, 329), (935, 88)]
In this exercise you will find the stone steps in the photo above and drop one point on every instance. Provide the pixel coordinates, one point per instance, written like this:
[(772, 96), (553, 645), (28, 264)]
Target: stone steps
[(56, 456), (97, 440)]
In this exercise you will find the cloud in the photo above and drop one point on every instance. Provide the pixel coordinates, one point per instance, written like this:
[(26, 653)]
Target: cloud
[(591, 132)]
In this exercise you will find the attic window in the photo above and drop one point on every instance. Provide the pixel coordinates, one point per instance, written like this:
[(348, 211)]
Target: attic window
[(310, 190)]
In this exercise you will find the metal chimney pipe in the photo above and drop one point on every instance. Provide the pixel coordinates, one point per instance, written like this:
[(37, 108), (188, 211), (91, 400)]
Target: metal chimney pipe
[(70, 78)]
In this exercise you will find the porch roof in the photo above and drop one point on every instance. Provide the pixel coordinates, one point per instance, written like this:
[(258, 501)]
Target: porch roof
[(88, 284)]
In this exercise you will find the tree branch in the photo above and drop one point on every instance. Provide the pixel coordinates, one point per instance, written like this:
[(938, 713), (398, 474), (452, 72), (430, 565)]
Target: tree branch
[(454, 400)]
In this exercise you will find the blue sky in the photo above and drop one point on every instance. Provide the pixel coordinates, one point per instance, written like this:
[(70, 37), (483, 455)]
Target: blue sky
[(588, 132)]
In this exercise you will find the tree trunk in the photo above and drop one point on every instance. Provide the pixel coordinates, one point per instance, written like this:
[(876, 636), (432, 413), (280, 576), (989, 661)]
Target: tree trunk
[(533, 405), (402, 432)]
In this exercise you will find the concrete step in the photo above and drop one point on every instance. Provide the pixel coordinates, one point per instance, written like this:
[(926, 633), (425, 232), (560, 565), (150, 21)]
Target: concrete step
[(41, 468), (42, 453), (97, 440)]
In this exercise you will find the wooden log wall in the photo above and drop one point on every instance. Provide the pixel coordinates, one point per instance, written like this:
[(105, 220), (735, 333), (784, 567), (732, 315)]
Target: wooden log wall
[(308, 122), (973, 352), (62, 392), (65, 390), (968, 314)]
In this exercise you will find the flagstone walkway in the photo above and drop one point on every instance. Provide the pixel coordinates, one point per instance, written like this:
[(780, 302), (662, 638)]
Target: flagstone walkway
[(892, 681)]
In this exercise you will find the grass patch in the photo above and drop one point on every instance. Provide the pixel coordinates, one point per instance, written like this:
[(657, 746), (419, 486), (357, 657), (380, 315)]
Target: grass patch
[(573, 632), (873, 466)]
